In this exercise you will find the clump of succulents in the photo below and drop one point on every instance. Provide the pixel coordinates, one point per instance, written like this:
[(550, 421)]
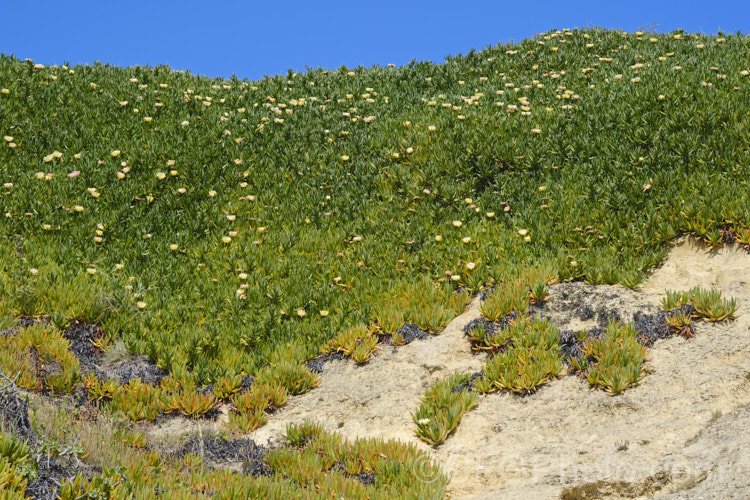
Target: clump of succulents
[(442, 407)]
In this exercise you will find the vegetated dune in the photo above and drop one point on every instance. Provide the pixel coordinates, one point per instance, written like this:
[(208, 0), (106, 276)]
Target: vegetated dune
[(682, 431)]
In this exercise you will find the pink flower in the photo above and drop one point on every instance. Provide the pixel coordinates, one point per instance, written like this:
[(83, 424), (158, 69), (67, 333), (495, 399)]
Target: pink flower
[(74, 173)]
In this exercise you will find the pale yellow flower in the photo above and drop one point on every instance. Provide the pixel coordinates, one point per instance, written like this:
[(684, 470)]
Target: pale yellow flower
[(212, 193), (173, 247), (438, 238), (523, 232), (78, 208), (457, 223), (226, 239), (323, 313), (160, 175), (301, 313), (470, 265), (91, 270), (466, 239), (141, 305)]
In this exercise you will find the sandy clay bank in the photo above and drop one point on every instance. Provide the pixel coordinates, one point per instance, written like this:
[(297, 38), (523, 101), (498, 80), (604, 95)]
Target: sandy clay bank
[(682, 433)]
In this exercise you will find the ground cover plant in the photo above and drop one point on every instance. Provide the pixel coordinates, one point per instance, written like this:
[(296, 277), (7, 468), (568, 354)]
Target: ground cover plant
[(227, 229)]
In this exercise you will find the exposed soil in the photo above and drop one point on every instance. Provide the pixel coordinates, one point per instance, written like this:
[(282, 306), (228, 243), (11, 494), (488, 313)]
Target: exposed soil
[(240, 454), (680, 433)]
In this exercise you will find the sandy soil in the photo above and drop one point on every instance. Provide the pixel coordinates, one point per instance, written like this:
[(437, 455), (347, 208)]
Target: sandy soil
[(681, 433)]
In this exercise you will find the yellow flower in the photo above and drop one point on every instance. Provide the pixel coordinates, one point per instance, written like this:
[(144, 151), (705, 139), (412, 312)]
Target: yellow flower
[(116, 152), (182, 190), (466, 239), (226, 239), (457, 223), (490, 214), (160, 175), (123, 103), (119, 266), (456, 277), (141, 305), (432, 128), (97, 239), (344, 157), (301, 313), (170, 163), (91, 270), (527, 238), (173, 247), (438, 238), (324, 313), (242, 276), (146, 118), (470, 265), (523, 232), (78, 208), (468, 201), (357, 238), (212, 193), (231, 217), (47, 227)]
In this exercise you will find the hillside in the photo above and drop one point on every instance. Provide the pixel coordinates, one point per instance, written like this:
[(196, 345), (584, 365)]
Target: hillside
[(230, 231)]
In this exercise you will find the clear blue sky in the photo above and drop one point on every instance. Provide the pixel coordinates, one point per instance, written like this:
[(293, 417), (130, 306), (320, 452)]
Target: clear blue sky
[(252, 39)]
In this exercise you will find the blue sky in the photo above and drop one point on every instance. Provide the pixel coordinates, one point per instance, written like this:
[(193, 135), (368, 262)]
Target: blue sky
[(252, 39)]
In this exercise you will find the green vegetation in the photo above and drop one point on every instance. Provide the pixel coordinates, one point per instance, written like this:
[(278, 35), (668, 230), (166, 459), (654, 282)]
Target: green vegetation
[(206, 221), (442, 407), (707, 304), (227, 228)]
